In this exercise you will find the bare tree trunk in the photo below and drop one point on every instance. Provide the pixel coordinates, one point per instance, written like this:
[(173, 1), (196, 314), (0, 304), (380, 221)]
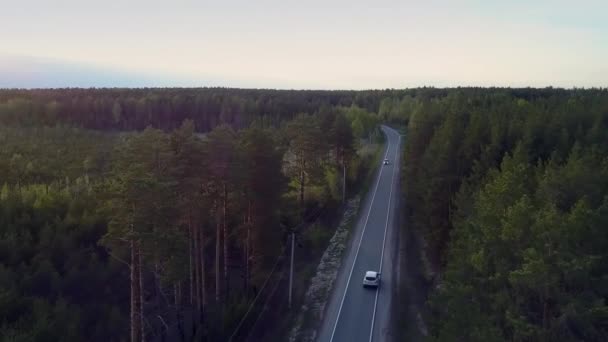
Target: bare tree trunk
[(136, 327), (244, 255), (337, 154), (192, 261), (343, 181), (218, 272), (178, 309), (246, 262), (248, 248), (141, 294), (202, 270), (197, 275), (545, 307), (158, 294), (226, 240), (302, 180)]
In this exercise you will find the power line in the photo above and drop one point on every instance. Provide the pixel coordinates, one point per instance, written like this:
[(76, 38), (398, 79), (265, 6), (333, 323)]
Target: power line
[(263, 310), (305, 221), (257, 296)]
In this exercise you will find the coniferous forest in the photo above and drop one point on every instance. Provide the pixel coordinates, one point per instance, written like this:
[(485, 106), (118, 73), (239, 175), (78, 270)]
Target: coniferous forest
[(148, 213), (510, 190), (158, 214)]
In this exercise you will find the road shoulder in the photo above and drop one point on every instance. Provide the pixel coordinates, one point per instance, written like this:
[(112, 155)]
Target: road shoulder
[(335, 296)]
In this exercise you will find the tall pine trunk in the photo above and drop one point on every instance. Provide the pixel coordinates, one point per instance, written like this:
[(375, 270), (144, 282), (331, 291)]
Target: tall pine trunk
[(192, 259), (218, 247), (225, 228), (141, 293), (178, 309), (302, 180), (201, 265), (157, 285), (136, 326), (197, 274), (248, 222)]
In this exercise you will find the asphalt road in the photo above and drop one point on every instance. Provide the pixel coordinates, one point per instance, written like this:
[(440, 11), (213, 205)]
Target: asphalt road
[(355, 313)]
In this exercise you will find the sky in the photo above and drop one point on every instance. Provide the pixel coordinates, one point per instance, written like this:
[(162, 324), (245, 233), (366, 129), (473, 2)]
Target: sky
[(303, 44)]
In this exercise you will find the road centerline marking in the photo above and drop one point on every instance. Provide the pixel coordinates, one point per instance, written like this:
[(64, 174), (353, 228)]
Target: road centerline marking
[(388, 214), (371, 204)]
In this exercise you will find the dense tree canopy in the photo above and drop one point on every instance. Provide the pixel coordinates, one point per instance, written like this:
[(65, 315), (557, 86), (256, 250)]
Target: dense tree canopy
[(174, 231), (156, 233), (510, 190), (135, 109)]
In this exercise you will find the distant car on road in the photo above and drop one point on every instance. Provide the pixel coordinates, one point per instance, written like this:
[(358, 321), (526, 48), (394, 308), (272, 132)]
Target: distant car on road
[(371, 279), (385, 161)]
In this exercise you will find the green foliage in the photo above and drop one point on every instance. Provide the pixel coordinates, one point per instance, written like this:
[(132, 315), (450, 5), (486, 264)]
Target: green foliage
[(342, 138), (318, 235), (264, 183), (165, 108), (333, 181), (49, 251), (306, 154), (142, 190), (363, 123), (509, 189), (75, 203), (47, 154)]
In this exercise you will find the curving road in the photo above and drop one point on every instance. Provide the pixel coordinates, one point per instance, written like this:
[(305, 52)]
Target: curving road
[(355, 313)]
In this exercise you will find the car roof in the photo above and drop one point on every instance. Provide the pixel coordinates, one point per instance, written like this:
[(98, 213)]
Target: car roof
[(371, 274)]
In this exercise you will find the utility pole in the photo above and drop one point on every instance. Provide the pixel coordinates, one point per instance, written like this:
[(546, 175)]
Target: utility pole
[(293, 239)]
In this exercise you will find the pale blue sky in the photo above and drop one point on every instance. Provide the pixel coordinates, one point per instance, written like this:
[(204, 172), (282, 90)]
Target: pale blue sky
[(304, 44)]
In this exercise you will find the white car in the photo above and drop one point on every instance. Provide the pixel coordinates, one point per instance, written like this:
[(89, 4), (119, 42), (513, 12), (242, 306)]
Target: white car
[(371, 279), (385, 161)]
